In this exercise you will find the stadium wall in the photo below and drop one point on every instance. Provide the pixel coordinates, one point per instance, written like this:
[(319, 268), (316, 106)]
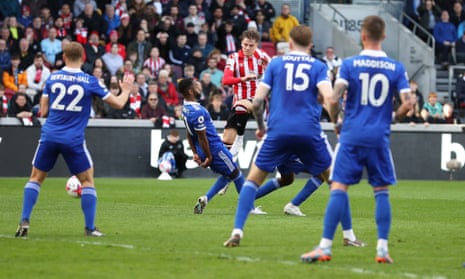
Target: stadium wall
[(129, 148)]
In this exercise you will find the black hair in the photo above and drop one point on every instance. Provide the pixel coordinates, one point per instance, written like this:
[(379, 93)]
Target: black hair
[(184, 85)]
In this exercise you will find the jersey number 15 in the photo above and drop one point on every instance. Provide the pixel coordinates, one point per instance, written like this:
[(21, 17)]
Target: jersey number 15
[(299, 74)]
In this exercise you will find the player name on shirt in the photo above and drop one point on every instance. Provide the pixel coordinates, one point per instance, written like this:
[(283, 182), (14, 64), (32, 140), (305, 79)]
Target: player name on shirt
[(371, 63), (71, 78), (298, 58)]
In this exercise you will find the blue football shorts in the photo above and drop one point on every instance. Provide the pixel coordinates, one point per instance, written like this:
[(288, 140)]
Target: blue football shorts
[(350, 160), (222, 162), (314, 153), (76, 156)]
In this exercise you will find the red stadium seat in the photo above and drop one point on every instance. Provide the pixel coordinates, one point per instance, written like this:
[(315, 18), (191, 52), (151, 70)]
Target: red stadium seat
[(269, 48)]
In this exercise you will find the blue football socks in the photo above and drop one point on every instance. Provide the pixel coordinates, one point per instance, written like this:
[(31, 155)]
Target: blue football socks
[(219, 184), (31, 193), (89, 206), (334, 211), (239, 181), (311, 186), (346, 218), (267, 188), (245, 203), (383, 213)]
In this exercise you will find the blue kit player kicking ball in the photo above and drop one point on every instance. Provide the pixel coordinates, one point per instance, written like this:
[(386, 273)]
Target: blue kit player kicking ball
[(66, 102), (293, 127), (206, 145), (371, 79)]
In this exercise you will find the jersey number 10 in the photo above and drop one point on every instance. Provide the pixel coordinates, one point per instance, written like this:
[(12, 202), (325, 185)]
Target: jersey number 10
[(369, 89)]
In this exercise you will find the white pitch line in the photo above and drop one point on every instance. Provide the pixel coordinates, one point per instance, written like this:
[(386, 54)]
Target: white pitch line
[(329, 266), (81, 242)]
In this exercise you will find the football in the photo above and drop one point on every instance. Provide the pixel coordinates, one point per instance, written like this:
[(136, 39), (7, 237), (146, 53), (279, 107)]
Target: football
[(165, 166), (73, 187)]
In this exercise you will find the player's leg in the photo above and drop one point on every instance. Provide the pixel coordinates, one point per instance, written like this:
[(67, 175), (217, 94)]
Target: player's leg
[(245, 203), (43, 161), (347, 231), (79, 162), (30, 196), (274, 184), (233, 135), (292, 208), (381, 174), (383, 223), (347, 170), (236, 176), (202, 201), (333, 214), (89, 201)]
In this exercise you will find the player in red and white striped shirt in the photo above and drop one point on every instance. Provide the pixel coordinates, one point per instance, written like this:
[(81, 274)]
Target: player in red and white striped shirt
[(243, 72)]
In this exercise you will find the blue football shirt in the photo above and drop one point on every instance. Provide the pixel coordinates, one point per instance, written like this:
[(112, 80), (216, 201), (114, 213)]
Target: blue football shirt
[(371, 78), (197, 118), (70, 99), (293, 79)]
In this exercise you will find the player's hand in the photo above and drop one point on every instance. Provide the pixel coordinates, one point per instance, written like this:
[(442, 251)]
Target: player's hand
[(260, 134), (127, 82), (250, 76), (207, 162), (196, 159)]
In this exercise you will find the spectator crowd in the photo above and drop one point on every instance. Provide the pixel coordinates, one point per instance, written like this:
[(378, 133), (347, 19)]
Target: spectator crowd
[(163, 41), (158, 41)]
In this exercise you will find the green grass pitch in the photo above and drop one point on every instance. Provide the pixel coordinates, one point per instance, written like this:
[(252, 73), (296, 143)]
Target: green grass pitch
[(151, 232)]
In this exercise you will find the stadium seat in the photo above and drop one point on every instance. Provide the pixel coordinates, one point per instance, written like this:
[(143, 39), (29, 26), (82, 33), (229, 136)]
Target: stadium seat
[(269, 48)]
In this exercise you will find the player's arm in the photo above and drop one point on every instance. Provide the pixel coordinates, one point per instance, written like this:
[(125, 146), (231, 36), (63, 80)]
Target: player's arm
[(258, 108), (228, 74), (330, 99), (195, 156), (405, 106), (43, 106), (203, 141), (118, 102)]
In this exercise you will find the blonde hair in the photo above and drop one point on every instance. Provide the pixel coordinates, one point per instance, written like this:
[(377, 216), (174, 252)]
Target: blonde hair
[(73, 51)]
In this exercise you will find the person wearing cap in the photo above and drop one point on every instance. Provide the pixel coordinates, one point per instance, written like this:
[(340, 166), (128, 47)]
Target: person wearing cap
[(113, 39)]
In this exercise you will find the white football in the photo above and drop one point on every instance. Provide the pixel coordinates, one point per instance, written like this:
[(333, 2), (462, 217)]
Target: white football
[(73, 187), (165, 166)]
